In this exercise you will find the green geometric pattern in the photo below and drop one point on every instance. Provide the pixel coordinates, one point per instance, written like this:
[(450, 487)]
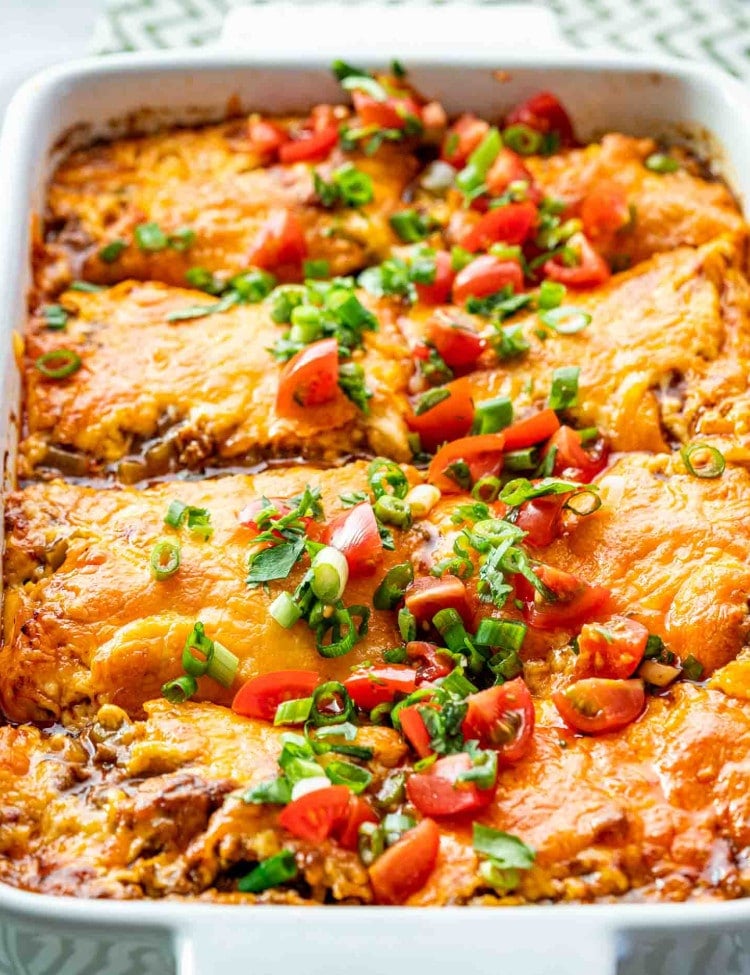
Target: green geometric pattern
[(713, 30)]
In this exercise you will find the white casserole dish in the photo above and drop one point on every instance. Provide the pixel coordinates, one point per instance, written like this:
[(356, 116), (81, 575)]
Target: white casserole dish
[(41, 935)]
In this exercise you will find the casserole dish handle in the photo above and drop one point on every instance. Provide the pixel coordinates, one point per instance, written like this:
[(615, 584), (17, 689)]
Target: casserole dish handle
[(401, 941)]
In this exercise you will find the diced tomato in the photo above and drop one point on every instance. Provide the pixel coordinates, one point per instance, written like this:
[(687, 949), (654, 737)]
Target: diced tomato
[(280, 241), (462, 139), (485, 276), (532, 430), (438, 293), (611, 649), (591, 271), (507, 168), (596, 705), (415, 730), (406, 866), (459, 346), (310, 378), (380, 685), (541, 519), (502, 718), (355, 533), (358, 812), (393, 113), (311, 145), (427, 595), (266, 137), (575, 601), (432, 663), (448, 419), (544, 113), (509, 224), (323, 117), (482, 454), (260, 696), (604, 211), (439, 792), (314, 816), (572, 462)]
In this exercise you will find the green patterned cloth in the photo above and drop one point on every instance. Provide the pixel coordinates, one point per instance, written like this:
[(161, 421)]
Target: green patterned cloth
[(713, 30)]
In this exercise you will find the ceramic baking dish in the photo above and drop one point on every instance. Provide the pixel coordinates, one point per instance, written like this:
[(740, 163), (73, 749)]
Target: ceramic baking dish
[(72, 104)]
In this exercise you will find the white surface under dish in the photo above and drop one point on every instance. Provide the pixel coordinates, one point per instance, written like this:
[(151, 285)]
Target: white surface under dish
[(42, 935)]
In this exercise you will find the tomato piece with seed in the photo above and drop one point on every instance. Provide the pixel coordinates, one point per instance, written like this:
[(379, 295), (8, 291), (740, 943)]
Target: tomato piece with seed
[(458, 345), (485, 276), (415, 730), (310, 378), (510, 224), (439, 791), (541, 519), (575, 601), (605, 211), (572, 461), (393, 113), (315, 816), (432, 664), (359, 811), (545, 114), (611, 649), (462, 138), (279, 242), (406, 866), (591, 270), (427, 595), (438, 292), (482, 455), (310, 146), (452, 417), (355, 533), (596, 705), (502, 718), (260, 696)]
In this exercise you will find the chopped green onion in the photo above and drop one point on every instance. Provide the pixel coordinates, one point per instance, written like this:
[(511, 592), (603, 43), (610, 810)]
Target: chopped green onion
[(508, 634), (584, 502), (182, 239), (316, 269), (331, 705), (565, 320), (504, 848), (293, 712), (352, 384), (176, 514), (391, 590), (150, 237), (703, 460), (450, 626), (204, 280), (58, 364), (284, 610), (505, 665), (407, 625), (330, 574), (397, 655), (395, 825), (509, 343), (278, 869), (692, 669), (487, 489), (429, 400), (196, 666), (564, 389), (111, 251), (363, 82), (660, 162), (492, 415), (371, 843), (165, 560), (349, 186), (551, 294), (520, 460), (180, 689), (523, 140), (471, 178), (345, 773), (457, 683), (335, 635), (253, 286), (393, 511), (411, 226), (55, 316), (88, 287), (284, 300)]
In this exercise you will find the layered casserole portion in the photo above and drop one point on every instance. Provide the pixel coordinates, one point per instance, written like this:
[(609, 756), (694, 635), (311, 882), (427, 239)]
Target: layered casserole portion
[(382, 529)]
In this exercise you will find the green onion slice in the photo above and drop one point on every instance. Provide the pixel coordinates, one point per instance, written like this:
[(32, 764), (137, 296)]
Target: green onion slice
[(492, 415), (564, 389), (522, 139), (345, 773), (703, 460), (565, 320), (165, 560), (393, 511), (278, 869), (391, 590), (386, 477), (180, 689), (284, 610), (296, 711), (508, 634), (59, 363), (55, 316), (331, 705), (429, 400), (111, 251), (660, 162)]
